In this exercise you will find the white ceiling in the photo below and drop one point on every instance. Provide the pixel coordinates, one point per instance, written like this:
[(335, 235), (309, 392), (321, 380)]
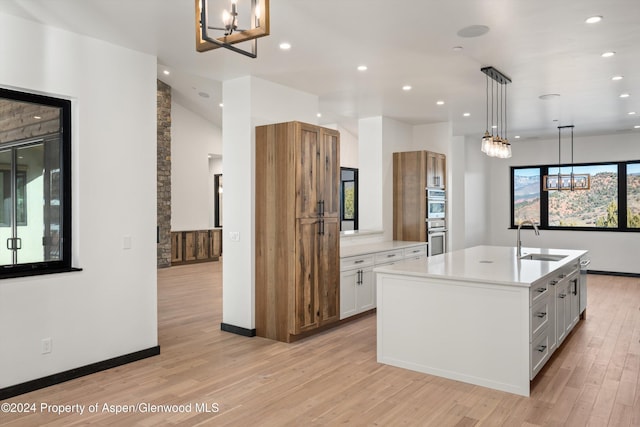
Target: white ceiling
[(544, 46)]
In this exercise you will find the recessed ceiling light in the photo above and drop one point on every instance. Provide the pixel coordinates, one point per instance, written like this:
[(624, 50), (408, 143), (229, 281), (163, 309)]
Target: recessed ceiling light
[(494, 127), (631, 113), (549, 96), (37, 117), (166, 72), (440, 103), (362, 68), (608, 54), (406, 87), (593, 19), (624, 95), (636, 127), (466, 114), (616, 78), (517, 137), (319, 115), (457, 48), (285, 46), (473, 31), (221, 105)]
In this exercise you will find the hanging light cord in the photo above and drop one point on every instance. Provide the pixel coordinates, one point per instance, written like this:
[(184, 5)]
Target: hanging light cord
[(486, 77)]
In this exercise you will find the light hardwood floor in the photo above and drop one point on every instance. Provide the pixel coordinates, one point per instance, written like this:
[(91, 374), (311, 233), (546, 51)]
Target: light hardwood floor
[(333, 378)]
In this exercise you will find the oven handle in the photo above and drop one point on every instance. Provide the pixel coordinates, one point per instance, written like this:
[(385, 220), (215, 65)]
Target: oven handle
[(437, 231)]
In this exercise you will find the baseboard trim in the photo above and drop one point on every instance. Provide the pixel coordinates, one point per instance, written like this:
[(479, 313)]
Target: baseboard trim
[(238, 330), (613, 273), (18, 389)]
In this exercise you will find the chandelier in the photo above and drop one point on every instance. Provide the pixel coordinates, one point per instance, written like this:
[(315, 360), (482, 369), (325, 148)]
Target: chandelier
[(495, 145), (229, 31), (570, 181)]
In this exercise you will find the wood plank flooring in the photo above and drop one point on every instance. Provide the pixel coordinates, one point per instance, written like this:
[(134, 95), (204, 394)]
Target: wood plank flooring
[(333, 378)]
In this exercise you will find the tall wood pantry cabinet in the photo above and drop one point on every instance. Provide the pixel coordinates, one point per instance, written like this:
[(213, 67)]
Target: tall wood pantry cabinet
[(413, 173), (297, 229)]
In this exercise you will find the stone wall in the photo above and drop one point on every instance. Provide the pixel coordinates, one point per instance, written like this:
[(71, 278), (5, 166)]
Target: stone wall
[(164, 174)]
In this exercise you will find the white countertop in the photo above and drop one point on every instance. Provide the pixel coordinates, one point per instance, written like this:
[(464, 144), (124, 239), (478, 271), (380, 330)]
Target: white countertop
[(485, 264), (369, 248)]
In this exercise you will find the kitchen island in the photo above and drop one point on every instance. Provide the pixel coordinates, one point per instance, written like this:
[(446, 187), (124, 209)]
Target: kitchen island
[(480, 315)]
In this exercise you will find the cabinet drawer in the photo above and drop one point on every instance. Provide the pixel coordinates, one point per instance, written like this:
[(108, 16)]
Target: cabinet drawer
[(538, 290), (415, 252), (540, 313), (389, 256), (356, 262), (539, 353)]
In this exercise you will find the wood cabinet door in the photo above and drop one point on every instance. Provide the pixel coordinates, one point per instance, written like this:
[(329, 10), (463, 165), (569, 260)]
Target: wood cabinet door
[(176, 247), (330, 173), (436, 170), (305, 293), (329, 270), (409, 196), (202, 244), (307, 173)]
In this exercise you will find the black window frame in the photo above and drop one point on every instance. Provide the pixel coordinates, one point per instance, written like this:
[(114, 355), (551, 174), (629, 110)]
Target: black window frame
[(355, 197), (64, 263), (544, 197)]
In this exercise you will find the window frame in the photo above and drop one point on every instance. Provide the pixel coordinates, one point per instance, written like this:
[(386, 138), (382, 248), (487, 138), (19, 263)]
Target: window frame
[(544, 197), (355, 198), (64, 263)]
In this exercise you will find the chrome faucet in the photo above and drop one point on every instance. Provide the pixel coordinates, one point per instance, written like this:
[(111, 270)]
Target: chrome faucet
[(518, 241)]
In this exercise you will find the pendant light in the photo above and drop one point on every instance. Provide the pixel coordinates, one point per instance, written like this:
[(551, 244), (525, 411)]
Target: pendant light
[(495, 146), (569, 181), (256, 15)]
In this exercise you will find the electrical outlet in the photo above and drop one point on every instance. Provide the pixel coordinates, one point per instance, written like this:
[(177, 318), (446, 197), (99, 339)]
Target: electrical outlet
[(234, 236), (47, 344)]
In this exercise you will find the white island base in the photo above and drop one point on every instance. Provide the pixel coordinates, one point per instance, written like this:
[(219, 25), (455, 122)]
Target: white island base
[(479, 315)]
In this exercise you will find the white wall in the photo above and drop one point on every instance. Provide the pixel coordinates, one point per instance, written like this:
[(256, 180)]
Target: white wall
[(109, 308), (609, 251), (396, 136), (248, 102), (192, 140), (477, 227), (370, 184)]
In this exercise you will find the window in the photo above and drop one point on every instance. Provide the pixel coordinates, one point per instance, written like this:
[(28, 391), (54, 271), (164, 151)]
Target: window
[(595, 207), (35, 184), (526, 195), (348, 199), (606, 196), (633, 195)]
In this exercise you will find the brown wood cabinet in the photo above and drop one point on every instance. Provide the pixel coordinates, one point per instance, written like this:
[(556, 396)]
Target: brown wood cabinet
[(413, 173), (297, 230), (195, 246)]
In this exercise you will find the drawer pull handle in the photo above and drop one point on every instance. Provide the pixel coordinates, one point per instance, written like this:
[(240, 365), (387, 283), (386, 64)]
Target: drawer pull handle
[(553, 282), (415, 251), (360, 261), (391, 255), (541, 290), (562, 295), (541, 348), (541, 314)]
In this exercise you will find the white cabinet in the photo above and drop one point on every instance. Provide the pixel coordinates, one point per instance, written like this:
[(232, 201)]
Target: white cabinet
[(357, 281), (357, 290), (416, 252), (554, 311), (389, 257)]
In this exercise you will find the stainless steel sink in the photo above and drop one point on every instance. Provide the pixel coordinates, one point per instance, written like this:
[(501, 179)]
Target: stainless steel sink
[(543, 257)]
